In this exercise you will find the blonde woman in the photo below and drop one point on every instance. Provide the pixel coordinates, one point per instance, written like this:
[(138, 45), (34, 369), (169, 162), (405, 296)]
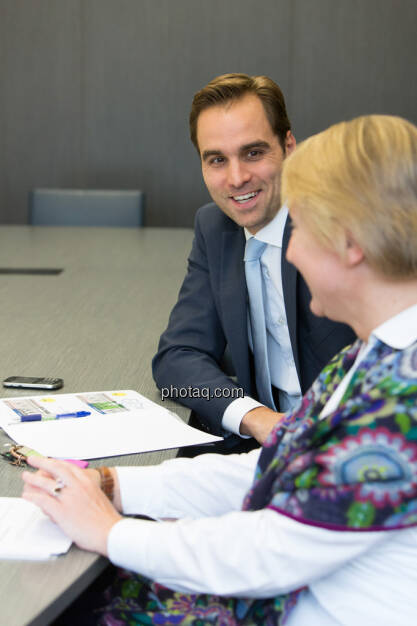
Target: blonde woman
[(319, 527)]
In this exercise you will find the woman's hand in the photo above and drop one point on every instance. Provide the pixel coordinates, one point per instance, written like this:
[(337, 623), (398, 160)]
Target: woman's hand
[(72, 498)]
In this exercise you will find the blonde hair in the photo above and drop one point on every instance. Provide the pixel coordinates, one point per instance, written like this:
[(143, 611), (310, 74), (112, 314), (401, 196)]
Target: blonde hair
[(360, 177)]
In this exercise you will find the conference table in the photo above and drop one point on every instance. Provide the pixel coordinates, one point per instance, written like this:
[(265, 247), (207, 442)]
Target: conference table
[(96, 324)]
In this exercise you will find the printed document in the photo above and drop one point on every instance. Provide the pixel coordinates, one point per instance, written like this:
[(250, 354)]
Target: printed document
[(118, 422)]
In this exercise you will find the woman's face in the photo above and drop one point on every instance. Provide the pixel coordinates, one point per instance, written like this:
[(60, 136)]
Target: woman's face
[(322, 269)]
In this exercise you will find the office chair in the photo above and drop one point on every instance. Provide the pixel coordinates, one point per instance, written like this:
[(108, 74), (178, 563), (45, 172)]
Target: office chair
[(86, 207)]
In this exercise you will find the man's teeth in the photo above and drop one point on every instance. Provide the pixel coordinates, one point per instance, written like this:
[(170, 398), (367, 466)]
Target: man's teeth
[(245, 197)]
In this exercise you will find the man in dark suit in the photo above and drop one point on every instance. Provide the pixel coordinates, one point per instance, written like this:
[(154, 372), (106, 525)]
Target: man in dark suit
[(241, 130)]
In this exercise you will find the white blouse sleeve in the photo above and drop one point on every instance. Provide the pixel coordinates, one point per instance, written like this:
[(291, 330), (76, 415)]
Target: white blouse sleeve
[(259, 553), (215, 547), (210, 484)]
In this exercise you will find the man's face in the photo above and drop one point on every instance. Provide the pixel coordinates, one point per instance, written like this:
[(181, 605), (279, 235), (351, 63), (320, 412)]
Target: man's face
[(242, 161)]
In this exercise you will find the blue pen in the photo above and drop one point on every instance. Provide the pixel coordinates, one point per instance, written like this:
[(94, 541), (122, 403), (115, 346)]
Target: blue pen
[(38, 417), (76, 414)]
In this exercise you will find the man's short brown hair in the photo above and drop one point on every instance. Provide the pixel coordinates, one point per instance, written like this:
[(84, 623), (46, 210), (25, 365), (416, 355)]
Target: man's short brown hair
[(229, 87)]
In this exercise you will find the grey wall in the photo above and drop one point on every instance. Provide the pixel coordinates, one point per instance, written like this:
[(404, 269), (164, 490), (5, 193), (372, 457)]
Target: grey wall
[(96, 93)]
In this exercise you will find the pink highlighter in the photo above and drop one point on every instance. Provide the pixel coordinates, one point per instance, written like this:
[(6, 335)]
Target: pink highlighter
[(82, 464)]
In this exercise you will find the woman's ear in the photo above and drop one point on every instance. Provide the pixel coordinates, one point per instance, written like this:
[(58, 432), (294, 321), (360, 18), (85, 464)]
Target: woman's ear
[(353, 252)]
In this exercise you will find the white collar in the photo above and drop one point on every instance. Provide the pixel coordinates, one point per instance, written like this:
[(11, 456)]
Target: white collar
[(399, 331), (273, 232)]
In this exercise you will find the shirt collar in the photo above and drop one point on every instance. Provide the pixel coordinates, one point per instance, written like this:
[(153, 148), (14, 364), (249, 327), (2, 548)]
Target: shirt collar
[(399, 331), (273, 232)]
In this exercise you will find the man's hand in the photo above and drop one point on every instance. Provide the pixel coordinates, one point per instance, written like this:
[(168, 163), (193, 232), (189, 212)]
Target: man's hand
[(76, 502), (259, 422)]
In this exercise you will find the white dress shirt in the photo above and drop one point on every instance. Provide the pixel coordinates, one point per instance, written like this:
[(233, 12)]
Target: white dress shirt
[(280, 356), (354, 578)]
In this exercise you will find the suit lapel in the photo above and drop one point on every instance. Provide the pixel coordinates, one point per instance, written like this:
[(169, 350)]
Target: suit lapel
[(289, 288), (234, 298)]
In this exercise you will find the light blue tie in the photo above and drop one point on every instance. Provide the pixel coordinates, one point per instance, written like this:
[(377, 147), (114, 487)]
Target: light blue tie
[(253, 251)]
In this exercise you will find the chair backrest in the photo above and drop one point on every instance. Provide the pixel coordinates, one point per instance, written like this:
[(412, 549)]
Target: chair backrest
[(86, 207)]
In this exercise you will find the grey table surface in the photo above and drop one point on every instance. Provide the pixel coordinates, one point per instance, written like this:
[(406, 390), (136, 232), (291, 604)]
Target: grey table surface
[(96, 325)]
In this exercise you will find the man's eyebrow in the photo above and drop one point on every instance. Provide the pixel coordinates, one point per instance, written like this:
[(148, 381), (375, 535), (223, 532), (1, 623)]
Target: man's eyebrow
[(209, 153), (255, 144)]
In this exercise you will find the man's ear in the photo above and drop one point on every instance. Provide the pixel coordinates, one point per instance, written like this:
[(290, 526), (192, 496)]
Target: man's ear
[(353, 252), (290, 143)]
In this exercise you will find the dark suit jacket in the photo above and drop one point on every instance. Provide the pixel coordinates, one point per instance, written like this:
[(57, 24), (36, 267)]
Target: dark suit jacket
[(211, 313)]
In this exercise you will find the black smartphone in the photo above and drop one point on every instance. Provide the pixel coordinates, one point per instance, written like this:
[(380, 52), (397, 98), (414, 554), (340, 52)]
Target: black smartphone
[(28, 382)]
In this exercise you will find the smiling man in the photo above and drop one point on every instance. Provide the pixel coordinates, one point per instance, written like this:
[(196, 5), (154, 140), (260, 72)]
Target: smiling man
[(242, 309), (242, 160)]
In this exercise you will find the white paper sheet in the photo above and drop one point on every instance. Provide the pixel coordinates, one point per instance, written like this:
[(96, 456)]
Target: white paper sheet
[(121, 422), (26, 533)]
